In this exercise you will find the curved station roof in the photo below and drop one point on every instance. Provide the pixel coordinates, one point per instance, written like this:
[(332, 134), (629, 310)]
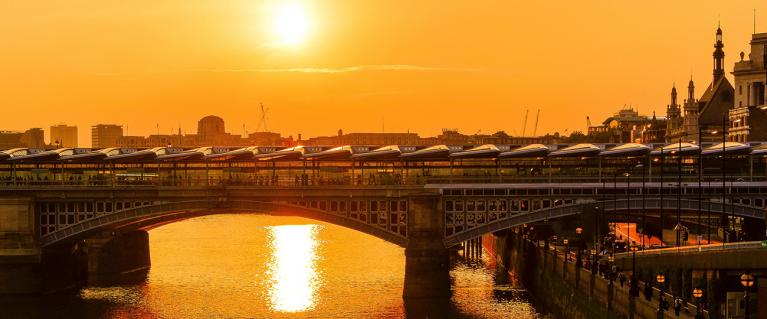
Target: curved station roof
[(372, 153)]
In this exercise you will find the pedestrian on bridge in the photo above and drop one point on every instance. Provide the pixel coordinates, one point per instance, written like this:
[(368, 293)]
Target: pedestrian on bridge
[(648, 291), (677, 306)]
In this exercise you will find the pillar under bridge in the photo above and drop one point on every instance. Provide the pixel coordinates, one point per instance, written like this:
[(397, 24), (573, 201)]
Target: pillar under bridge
[(427, 273), (27, 268)]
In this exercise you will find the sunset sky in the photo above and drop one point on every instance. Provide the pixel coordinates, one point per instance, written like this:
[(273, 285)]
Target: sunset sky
[(356, 65)]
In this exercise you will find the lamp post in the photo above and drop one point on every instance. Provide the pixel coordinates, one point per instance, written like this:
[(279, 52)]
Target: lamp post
[(700, 179), (747, 280), (660, 278), (615, 207), (661, 198), (628, 204), (679, 189), (578, 244), (724, 174), (596, 227), (567, 249), (634, 288), (610, 262), (697, 293), (644, 211)]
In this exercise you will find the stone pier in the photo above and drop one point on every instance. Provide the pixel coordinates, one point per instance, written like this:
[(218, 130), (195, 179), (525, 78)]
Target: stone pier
[(20, 258), (27, 268), (114, 258), (426, 258)]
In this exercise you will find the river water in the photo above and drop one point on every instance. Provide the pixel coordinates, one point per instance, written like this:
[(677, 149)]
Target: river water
[(254, 266)]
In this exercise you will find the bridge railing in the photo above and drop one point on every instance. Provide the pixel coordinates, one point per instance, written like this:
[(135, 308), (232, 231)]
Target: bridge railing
[(695, 248), (284, 180)]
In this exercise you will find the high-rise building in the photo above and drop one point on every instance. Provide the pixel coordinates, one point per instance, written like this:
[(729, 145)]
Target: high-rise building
[(31, 138), (63, 136), (105, 135)]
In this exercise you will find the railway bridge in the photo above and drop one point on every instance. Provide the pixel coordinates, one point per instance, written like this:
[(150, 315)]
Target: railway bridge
[(49, 232)]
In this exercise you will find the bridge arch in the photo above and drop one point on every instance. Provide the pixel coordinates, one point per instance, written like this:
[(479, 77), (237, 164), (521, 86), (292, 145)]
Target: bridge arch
[(149, 216), (635, 204)]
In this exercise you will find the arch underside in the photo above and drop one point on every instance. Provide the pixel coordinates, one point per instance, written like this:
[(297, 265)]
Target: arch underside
[(147, 217), (623, 205)]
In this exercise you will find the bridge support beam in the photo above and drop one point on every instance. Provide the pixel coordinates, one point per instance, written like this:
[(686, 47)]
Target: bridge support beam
[(426, 258), (117, 258)]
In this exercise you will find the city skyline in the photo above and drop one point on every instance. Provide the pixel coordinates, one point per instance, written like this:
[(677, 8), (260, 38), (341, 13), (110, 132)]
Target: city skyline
[(141, 68)]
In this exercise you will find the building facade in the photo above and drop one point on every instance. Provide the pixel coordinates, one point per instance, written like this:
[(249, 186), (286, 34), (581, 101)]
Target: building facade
[(748, 118), (211, 131), (627, 126), (105, 135), (32, 138), (63, 135)]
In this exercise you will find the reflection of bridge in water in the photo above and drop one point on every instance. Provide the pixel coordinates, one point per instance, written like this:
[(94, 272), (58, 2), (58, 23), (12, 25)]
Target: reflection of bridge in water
[(68, 210)]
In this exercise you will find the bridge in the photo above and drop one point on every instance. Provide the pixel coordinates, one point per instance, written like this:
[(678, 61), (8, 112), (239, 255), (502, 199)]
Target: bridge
[(45, 229), (75, 215)]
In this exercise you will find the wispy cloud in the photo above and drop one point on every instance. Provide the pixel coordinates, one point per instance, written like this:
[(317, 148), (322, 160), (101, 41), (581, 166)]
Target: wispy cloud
[(350, 69), (362, 68)]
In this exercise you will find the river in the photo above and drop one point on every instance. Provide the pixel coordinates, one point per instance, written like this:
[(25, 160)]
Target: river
[(255, 266)]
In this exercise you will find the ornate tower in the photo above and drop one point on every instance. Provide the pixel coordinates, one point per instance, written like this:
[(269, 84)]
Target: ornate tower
[(673, 115), (718, 56), (673, 111), (690, 94), (691, 110)]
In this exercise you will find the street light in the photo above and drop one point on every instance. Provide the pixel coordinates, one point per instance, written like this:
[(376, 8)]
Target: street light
[(634, 289), (660, 211), (747, 280), (628, 204), (578, 231), (610, 262), (644, 212), (660, 278), (697, 293), (567, 248), (679, 188)]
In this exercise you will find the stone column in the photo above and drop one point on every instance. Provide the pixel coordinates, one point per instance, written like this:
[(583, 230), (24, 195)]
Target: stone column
[(114, 258), (20, 257), (426, 257)]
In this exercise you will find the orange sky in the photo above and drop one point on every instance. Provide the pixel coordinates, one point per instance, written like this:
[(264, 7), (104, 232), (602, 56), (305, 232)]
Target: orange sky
[(409, 65)]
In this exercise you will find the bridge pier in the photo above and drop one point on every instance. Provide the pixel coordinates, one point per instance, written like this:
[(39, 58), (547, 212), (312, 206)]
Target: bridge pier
[(20, 258), (426, 257), (114, 258)]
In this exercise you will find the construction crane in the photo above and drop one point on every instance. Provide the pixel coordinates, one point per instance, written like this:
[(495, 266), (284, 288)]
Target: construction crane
[(524, 126), (535, 128), (262, 122)]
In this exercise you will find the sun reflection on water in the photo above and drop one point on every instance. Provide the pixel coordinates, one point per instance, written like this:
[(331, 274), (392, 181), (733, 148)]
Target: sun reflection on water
[(292, 269)]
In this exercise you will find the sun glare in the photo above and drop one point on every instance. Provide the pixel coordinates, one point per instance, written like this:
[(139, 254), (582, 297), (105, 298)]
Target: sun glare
[(293, 270), (291, 24)]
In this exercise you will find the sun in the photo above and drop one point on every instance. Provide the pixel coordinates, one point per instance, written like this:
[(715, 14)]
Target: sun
[(291, 24)]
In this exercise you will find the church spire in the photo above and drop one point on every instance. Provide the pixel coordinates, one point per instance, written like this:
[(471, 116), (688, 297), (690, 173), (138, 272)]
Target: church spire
[(673, 94), (718, 56), (691, 90)]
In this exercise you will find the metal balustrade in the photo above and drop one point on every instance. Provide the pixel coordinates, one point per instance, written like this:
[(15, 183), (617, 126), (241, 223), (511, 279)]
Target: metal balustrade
[(696, 249)]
